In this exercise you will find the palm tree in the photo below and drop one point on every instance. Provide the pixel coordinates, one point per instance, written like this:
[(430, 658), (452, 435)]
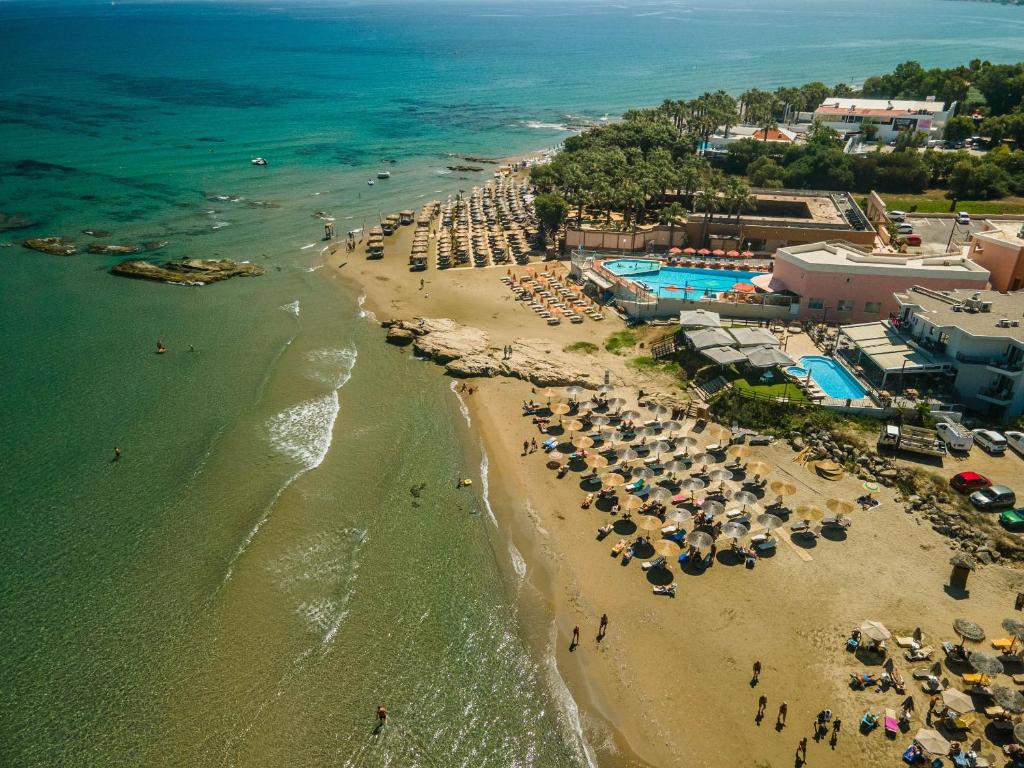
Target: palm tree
[(670, 215), (708, 200), (736, 196)]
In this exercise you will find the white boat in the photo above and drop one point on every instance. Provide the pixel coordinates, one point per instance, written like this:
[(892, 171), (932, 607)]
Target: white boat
[(258, 161), (384, 175), (371, 182)]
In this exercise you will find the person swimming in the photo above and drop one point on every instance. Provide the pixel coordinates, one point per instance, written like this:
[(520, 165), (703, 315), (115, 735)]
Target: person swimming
[(160, 348)]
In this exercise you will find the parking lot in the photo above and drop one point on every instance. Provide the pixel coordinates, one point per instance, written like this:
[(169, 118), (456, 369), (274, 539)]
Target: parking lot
[(935, 233)]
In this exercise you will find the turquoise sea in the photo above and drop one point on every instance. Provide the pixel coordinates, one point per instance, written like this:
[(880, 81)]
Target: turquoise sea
[(280, 547)]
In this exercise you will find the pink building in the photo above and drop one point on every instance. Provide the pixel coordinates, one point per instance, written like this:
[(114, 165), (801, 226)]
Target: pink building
[(837, 283), (1000, 250)]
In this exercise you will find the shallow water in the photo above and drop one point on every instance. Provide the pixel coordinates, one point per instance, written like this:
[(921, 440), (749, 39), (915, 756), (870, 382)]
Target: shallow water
[(281, 546)]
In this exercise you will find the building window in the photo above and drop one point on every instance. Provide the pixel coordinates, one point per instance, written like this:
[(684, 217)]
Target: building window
[(815, 303), (872, 307), (844, 305)]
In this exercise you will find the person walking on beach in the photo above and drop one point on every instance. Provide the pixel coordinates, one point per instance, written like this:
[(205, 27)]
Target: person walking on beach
[(762, 705), (422, 283), (526, 447), (780, 721), (533, 445), (836, 725), (603, 630), (757, 673), (575, 638), (801, 750)]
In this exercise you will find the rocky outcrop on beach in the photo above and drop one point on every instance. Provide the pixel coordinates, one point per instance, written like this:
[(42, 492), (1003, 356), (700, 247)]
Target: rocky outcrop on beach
[(12, 221), (56, 246), (187, 271), (465, 168), (466, 352), (113, 249)]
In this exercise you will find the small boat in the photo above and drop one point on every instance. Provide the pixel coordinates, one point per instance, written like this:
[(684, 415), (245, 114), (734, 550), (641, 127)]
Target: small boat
[(384, 175), (371, 182), (258, 161)]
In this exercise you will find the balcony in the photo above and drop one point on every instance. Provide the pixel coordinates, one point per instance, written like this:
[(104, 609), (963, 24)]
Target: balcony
[(998, 364), (997, 396)]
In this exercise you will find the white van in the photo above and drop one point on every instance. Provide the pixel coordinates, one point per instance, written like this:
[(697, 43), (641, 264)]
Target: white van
[(956, 436), (990, 440)]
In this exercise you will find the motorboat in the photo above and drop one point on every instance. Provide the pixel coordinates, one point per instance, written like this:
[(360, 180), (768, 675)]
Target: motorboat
[(258, 161), (371, 182), (384, 175)]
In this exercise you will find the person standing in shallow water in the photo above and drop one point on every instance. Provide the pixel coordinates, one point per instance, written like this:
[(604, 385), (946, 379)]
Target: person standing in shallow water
[(117, 453)]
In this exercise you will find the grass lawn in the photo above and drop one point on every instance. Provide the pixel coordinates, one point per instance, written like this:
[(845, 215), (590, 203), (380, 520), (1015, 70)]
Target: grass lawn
[(934, 201), (793, 392)]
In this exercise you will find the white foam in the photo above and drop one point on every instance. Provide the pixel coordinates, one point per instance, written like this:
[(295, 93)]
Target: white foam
[(313, 269), (485, 488), (293, 308), (364, 313), (567, 704), (332, 366), (220, 224), (307, 247), (537, 124), (462, 405), (518, 563)]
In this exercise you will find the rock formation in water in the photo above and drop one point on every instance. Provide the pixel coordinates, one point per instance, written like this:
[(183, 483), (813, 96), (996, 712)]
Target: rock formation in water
[(57, 246), (12, 221), (187, 271), (465, 351), (113, 249)]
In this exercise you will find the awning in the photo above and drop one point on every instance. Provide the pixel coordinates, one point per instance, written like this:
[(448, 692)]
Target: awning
[(597, 280), (723, 355), (888, 350), (754, 337), (767, 357), (699, 318), (709, 337), (768, 282)]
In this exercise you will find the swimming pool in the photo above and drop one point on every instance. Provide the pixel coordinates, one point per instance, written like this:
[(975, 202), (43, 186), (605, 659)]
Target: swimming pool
[(678, 282), (834, 380)]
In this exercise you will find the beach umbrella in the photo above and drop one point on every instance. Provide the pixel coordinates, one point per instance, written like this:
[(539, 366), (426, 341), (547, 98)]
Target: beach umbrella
[(560, 409), (1008, 699), (666, 547), (643, 473), (875, 630), (703, 459), (572, 425), (582, 441), (692, 484), (646, 432), (716, 431), (734, 530), (660, 447), (769, 521), (631, 503), (649, 523), (616, 402), (737, 451), (703, 252), (699, 539), (612, 480), (743, 498), (783, 488), (985, 663), (604, 389), (958, 701), (679, 517), (657, 409), (574, 391), (626, 454), (718, 252), (549, 393), (1014, 627), (597, 461), (689, 251), (687, 442), (555, 456), (662, 495), (617, 437), (759, 468), (840, 506), (732, 254), (968, 630), (719, 475), (932, 741), (712, 508), (1018, 733), (671, 426), (600, 420), (631, 415), (675, 466), (747, 254), (808, 512)]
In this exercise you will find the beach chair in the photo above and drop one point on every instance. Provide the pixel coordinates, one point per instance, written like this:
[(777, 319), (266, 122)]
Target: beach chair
[(868, 722), (975, 678), (1003, 644), (658, 562), (799, 527), (668, 530), (619, 546), (765, 546), (921, 674), (678, 536), (907, 642), (921, 654), (892, 725), (549, 444)]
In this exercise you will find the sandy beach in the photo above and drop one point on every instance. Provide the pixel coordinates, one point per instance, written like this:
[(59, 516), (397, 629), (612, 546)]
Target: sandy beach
[(670, 685)]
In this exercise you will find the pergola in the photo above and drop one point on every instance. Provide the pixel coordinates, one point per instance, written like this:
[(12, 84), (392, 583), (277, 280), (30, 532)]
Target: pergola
[(889, 352)]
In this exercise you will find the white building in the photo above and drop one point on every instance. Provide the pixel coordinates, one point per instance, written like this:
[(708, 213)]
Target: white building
[(889, 115)]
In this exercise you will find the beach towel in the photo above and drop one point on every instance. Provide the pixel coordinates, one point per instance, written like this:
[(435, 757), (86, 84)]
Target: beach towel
[(892, 725)]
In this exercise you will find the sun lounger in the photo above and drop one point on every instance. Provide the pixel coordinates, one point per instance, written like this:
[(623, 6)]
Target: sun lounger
[(657, 562), (766, 545), (906, 642), (1003, 643), (799, 526), (892, 725), (678, 536), (837, 522), (619, 546), (669, 529), (975, 678), (921, 654), (549, 444), (921, 674)]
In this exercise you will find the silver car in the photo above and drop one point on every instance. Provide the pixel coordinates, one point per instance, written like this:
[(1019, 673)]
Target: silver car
[(993, 497)]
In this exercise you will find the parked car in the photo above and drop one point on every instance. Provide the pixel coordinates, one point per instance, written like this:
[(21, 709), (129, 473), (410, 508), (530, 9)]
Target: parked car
[(913, 239), (897, 216), (1012, 519), (905, 229), (991, 441), (1015, 440), (955, 435), (969, 482), (963, 217), (993, 497)]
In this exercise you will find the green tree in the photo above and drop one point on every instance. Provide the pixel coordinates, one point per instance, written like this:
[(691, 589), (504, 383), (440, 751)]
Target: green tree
[(977, 180), (708, 200), (551, 210), (671, 214), (869, 131), (908, 139), (958, 128), (765, 172)]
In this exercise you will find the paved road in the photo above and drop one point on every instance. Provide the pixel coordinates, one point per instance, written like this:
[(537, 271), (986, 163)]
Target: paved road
[(935, 233)]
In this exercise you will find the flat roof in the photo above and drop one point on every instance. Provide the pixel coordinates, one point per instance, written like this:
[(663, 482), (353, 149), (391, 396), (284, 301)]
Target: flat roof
[(1005, 231), (937, 308), (841, 256), (887, 349), (858, 105)]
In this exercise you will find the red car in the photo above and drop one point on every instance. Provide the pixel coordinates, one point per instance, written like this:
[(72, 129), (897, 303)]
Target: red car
[(969, 482), (913, 239)]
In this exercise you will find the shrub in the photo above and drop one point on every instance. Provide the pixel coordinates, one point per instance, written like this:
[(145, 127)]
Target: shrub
[(584, 347)]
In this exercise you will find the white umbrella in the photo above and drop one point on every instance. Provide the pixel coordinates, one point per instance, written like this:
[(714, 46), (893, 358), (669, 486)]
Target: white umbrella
[(875, 630)]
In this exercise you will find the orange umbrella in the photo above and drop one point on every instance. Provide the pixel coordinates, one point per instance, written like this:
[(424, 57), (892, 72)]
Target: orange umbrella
[(675, 250), (703, 252), (747, 254), (732, 254), (718, 252), (744, 288), (689, 251)]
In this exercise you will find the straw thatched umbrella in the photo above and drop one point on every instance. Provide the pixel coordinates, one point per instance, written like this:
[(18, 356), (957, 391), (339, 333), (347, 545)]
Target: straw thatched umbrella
[(720, 475), (671, 426), (642, 473), (702, 459), (734, 530), (1018, 733), (985, 663), (932, 741), (968, 630), (647, 432), (660, 447), (666, 547), (573, 425), (679, 517), (631, 415), (675, 466), (600, 420), (596, 461), (712, 508), (627, 454), (782, 488), (692, 484), (716, 431), (769, 521), (699, 539), (875, 630), (808, 512), (958, 701), (574, 391), (549, 393), (612, 480), (840, 506), (737, 451), (616, 402), (662, 495), (687, 442), (743, 498), (657, 409), (560, 409), (631, 503), (1014, 627), (582, 442), (649, 523), (759, 468), (1008, 699)]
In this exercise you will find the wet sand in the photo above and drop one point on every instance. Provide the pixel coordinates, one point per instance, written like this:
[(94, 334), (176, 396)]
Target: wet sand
[(670, 685)]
